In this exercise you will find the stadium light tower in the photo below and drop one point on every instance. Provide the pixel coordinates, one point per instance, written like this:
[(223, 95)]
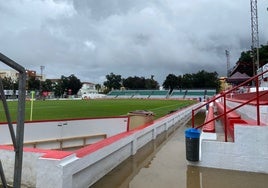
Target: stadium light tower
[(42, 69), (227, 53), (41, 79), (254, 35)]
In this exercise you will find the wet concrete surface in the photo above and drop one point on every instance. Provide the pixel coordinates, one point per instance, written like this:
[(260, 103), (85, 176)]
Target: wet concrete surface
[(162, 164)]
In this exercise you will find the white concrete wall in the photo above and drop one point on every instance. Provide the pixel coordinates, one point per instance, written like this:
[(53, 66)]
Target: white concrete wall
[(70, 128), (249, 152), (84, 167), (29, 171)]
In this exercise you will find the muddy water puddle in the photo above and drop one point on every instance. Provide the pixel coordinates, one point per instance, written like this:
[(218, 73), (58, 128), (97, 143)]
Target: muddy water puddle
[(162, 164)]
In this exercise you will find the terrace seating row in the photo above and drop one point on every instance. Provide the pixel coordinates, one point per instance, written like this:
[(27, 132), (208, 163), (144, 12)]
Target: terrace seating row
[(210, 126), (142, 94), (195, 92), (160, 93), (210, 92), (229, 117), (138, 94), (232, 118), (178, 94), (192, 93)]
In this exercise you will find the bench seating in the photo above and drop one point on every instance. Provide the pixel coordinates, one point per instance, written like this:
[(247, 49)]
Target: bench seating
[(209, 127), (231, 117), (66, 142)]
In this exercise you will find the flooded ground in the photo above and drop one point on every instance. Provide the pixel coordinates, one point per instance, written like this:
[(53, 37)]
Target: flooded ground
[(162, 163)]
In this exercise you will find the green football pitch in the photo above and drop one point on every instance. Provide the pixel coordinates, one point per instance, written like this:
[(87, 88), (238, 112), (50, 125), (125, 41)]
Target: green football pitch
[(69, 109)]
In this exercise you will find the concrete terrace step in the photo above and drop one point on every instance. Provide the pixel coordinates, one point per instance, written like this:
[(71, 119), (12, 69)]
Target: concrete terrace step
[(217, 126)]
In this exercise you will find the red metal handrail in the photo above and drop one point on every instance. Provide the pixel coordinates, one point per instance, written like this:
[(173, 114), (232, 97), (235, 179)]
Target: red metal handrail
[(257, 98)]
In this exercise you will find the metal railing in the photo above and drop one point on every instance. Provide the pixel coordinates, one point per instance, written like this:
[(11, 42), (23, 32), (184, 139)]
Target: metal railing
[(17, 139), (225, 112)]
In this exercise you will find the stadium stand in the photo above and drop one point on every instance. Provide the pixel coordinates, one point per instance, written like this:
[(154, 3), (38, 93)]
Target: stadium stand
[(159, 94), (162, 94), (143, 94), (195, 93), (200, 93), (177, 94), (113, 94), (127, 94), (210, 92)]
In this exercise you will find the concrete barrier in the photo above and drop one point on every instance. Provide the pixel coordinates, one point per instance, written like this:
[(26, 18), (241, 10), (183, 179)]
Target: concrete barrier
[(83, 167), (248, 152), (60, 129)]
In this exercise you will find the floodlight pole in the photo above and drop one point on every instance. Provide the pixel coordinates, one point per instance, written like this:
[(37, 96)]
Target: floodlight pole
[(254, 35), (227, 53)]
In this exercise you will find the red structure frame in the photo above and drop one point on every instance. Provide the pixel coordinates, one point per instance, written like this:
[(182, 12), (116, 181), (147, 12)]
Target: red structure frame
[(226, 94)]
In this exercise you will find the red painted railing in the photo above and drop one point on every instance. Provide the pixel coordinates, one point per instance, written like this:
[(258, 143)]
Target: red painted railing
[(224, 95)]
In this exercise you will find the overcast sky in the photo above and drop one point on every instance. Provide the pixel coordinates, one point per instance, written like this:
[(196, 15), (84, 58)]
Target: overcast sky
[(92, 38)]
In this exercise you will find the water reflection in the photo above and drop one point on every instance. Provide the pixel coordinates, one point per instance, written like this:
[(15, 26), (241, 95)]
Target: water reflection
[(208, 177), (123, 174), (193, 177)]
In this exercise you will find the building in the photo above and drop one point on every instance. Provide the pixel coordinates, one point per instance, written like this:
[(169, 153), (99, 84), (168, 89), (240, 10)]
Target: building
[(14, 74), (9, 74), (89, 91)]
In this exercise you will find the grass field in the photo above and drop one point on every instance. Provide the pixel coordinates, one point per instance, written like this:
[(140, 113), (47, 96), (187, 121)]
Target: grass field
[(66, 109)]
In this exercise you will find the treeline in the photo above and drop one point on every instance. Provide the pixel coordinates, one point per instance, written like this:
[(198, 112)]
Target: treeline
[(246, 60), (202, 79), (64, 86), (114, 81)]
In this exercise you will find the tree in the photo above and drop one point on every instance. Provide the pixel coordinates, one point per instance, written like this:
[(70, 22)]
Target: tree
[(134, 82), (203, 79), (245, 57), (57, 89), (62, 86), (68, 85), (98, 87), (140, 83), (150, 83), (180, 81), (187, 81), (171, 82), (199, 79), (47, 85), (245, 62), (74, 84), (7, 83), (263, 51), (113, 81), (33, 84)]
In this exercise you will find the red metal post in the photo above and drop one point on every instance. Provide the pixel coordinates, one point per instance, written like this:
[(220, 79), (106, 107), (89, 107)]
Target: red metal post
[(225, 118), (192, 118), (258, 101)]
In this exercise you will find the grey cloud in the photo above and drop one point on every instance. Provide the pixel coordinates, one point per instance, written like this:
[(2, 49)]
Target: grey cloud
[(92, 38)]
